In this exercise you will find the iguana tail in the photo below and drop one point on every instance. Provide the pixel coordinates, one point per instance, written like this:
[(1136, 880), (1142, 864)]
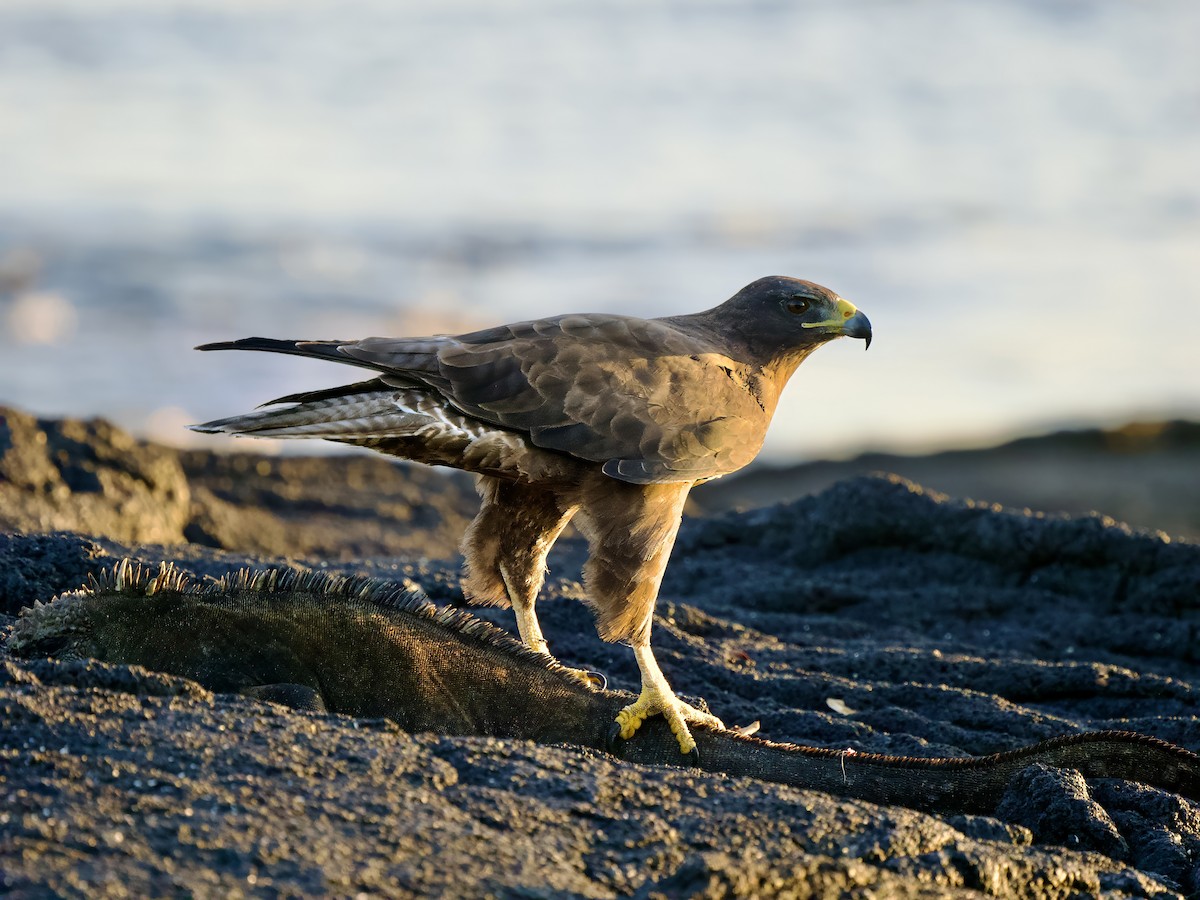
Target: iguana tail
[(971, 784)]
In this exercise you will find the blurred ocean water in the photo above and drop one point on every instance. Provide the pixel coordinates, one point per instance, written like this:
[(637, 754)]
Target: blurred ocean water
[(1010, 190)]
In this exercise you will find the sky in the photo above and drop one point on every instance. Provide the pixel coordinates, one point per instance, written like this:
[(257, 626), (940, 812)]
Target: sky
[(1011, 191)]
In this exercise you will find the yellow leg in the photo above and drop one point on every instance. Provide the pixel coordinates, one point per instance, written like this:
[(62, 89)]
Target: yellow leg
[(527, 623), (531, 633), (657, 697)]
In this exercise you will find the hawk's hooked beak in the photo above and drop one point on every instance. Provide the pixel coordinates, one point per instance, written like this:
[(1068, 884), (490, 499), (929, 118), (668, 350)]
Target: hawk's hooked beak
[(846, 321)]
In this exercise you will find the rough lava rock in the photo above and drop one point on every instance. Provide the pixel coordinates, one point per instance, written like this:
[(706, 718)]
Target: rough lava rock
[(93, 478), (344, 507), (876, 616), (1143, 473), (90, 477)]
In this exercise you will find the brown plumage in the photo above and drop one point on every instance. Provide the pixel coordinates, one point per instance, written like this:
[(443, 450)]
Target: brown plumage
[(603, 420)]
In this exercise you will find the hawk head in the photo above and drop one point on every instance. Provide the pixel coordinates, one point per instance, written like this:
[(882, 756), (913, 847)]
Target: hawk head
[(781, 320)]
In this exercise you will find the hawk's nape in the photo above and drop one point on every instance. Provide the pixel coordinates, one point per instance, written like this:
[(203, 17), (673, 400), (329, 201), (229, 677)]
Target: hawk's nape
[(603, 420)]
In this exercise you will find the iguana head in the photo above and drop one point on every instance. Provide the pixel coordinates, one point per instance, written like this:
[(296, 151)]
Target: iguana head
[(74, 624)]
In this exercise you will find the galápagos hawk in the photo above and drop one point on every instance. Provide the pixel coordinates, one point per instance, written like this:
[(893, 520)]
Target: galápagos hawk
[(603, 420)]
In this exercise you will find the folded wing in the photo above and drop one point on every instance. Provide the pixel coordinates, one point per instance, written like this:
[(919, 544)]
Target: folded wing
[(649, 402)]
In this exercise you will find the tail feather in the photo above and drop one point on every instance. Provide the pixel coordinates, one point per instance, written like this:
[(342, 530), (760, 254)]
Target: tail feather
[(312, 349), (412, 423), (344, 390), (377, 414), (405, 411)]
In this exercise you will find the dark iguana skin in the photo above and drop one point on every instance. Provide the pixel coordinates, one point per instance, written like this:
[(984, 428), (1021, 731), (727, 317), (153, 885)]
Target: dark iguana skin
[(369, 649)]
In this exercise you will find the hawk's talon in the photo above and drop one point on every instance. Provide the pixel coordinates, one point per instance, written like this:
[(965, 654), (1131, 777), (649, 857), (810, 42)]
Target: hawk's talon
[(677, 713), (613, 740), (614, 744), (594, 680)]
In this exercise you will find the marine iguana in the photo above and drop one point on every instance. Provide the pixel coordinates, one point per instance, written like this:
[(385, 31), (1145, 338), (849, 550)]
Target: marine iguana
[(601, 419), (366, 648)]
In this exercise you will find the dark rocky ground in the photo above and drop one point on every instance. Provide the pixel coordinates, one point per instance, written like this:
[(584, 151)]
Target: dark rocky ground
[(936, 626), (1146, 474)]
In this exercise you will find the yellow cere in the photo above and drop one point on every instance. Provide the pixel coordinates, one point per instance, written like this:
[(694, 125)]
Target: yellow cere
[(845, 309)]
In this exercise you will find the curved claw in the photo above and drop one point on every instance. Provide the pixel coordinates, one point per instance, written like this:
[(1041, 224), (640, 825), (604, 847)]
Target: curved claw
[(613, 742), (594, 680)]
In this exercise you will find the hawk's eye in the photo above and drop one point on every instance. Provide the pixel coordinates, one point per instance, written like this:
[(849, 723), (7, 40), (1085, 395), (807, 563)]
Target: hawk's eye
[(797, 305)]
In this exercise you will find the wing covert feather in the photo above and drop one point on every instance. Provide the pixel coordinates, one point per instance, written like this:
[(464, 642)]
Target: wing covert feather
[(652, 403)]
